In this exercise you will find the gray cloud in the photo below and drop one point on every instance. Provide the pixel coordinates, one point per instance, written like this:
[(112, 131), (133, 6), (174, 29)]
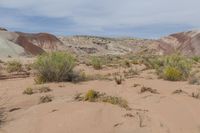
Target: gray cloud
[(101, 14)]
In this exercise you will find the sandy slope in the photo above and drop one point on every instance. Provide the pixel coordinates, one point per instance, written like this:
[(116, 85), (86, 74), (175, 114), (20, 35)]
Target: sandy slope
[(152, 113)]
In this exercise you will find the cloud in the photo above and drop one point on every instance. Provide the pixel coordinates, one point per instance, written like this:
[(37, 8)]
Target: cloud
[(100, 16)]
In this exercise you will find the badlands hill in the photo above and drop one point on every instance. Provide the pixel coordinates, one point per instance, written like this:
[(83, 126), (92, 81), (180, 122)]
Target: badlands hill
[(187, 43)]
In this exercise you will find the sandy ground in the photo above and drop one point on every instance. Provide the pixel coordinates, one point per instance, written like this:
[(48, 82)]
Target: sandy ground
[(151, 113)]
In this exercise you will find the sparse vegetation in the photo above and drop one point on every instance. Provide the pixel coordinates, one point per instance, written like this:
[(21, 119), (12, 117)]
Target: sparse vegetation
[(28, 91), (118, 79), (194, 79), (46, 99), (94, 96), (44, 89), (173, 67), (126, 63), (130, 73), (96, 63), (116, 101), (54, 67), (14, 66), (148, 89)]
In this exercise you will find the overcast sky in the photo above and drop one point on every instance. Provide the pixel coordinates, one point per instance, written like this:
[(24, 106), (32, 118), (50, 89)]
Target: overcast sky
[(134, 18)]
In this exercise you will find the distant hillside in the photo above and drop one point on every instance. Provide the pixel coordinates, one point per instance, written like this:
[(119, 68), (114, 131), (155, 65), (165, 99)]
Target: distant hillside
[(187, 43)]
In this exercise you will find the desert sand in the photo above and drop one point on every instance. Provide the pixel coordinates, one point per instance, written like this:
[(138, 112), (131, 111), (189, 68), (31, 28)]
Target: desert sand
[(165, 112)]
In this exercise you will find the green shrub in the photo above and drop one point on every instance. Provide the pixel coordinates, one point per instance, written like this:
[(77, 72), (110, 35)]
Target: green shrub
[(96, 63), (56, 66), (196, 58), (174, 67), (14, 66), (153, 62), (172, 73)]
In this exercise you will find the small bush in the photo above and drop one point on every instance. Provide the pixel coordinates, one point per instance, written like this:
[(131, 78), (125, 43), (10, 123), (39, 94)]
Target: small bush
[(174, 67), (91, 96), (56, 66), (14, 66), (96, 63), (28, 91), (172, 74), (46, 99)]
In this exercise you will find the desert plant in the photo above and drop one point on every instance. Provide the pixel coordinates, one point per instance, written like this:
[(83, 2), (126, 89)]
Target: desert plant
[(95, 96), (56, 66), (45, 99), (174, 67), (172, 73), (13, 66), (96, 63), (196, 58), (194, 79), (118, 79), (44, 89), (91, 95), (126, 63), (116, 101), (131, 73), (28, 91)]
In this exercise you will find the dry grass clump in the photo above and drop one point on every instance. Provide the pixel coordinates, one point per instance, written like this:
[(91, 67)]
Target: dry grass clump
[(148, 89), (194, 78), (118, 79), (42, 89), (46, 99), (94, 96), (28, 91), (97, 63), (131, 73), (13, 66)]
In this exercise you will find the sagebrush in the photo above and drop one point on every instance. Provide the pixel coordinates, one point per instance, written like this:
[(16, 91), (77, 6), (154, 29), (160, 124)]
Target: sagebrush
[(54, 67)]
